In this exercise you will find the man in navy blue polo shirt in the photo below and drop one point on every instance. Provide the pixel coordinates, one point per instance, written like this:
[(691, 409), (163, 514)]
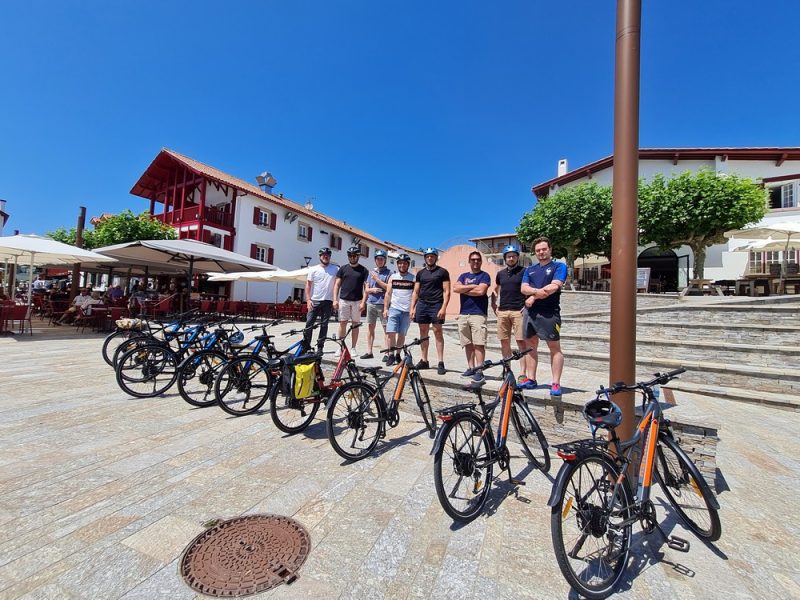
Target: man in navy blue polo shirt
[(542, 283), (472, 286)]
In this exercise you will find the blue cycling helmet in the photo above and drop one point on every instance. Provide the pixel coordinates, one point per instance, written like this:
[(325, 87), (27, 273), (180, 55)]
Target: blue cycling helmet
[(430, 250), (510, 248), (380, 254), (236, 338)]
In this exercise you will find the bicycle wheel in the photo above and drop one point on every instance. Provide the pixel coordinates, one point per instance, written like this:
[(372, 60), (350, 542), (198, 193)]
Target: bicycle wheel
[(113, 340), (424, 403), (196, 376), (531, 438), (685, 488), (462, 470), (590, 542), (146, 371), (355, 420), (243, 385), (290, 414)]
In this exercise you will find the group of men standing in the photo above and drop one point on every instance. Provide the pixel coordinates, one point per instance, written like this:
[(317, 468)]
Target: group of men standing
[(525, 300)]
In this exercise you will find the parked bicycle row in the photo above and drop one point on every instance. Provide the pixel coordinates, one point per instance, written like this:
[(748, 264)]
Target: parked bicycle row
[(593, 506)]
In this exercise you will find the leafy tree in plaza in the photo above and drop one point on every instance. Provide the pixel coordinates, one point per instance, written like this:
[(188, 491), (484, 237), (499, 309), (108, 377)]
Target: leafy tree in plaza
[(577, 219), (696, 209), (118, 229)]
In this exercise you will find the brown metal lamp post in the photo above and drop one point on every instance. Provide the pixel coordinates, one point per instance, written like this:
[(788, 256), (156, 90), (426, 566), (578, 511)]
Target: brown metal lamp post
[(624, 209)]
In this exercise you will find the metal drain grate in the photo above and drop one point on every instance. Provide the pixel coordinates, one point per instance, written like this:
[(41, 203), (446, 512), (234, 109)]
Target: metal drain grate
[(245, 555)]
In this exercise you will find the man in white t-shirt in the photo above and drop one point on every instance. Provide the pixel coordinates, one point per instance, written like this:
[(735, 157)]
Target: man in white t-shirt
[(319, 296), (397, 305)]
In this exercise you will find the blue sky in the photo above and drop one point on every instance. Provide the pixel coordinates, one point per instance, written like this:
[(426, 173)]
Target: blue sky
[(422, 122)]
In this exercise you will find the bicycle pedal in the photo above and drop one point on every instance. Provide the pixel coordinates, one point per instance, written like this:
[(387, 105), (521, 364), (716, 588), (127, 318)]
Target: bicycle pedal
[(516, 481), (677, 543)]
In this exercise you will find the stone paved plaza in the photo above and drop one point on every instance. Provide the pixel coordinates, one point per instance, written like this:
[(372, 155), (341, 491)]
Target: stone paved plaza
[(100, 493)]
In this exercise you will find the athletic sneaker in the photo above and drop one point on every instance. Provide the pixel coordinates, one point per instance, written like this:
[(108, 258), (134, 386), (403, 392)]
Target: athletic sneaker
[(367, 355), (527, 384), (423, 364), (386, 359), (440, 370), (468, 373), (478, 378), (338, 353), (555, 389)]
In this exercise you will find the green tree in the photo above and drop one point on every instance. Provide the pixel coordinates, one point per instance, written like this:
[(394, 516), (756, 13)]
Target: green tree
[(118, 229), (577, 219), (696, 209)]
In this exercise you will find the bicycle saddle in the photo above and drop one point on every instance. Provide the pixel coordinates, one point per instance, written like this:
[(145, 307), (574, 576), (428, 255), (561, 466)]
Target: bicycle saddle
[(602, 413), (371, 370)]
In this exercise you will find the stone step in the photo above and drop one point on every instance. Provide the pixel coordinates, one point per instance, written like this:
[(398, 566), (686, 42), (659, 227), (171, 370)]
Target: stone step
[(783, 314)]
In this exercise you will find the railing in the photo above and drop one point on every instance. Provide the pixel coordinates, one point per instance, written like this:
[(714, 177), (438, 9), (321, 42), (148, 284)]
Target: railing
[(192, 213)]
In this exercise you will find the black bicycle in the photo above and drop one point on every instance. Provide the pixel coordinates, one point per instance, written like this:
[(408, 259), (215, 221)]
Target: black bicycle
[(358, 412), (466, 450), (593, 505)]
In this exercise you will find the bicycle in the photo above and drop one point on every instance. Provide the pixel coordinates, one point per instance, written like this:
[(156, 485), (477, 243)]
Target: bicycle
[(358, 413), (139, 328), (466, 450), (593, 506)]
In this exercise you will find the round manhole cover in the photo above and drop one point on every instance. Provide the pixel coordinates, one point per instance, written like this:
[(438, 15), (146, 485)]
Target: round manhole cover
[(245, 555)]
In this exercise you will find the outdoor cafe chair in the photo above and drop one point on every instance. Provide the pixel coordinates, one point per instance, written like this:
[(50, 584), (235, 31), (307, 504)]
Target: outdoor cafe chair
[(18, 313)]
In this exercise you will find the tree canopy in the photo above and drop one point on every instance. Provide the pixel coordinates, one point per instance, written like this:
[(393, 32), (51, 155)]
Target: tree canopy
[(118, 229), (577, 220), (696, 209)]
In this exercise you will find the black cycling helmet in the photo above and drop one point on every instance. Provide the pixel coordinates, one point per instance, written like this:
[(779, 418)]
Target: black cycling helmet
[(353, 250), (601, 412), (403, 256), (324, 250)]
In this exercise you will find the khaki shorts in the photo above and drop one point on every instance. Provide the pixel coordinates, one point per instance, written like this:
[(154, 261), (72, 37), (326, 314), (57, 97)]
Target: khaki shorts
[(374, 313), (472, 329), (508, 322), (349, 310)]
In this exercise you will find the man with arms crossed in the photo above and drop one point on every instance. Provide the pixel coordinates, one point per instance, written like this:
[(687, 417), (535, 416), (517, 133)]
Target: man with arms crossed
[(542, 283), (349, 296), (376, 290), (319, 296), (508, 303), (428, 306), (397, 305), (472, 286)]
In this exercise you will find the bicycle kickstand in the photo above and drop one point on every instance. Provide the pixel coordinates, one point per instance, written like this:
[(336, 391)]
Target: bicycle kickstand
[(673, 541), (512, 479)]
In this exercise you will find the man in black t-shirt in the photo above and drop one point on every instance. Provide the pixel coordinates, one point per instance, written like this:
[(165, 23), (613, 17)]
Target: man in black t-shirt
[(349, 294), (511, 301), (428, 306)]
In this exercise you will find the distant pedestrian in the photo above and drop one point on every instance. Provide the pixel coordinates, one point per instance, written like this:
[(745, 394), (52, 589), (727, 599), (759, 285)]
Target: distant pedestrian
[(473, 286), (542, 283), (376, 292), (349, 294), (429, 305), (508, 303), (397, 305), (319, 297)]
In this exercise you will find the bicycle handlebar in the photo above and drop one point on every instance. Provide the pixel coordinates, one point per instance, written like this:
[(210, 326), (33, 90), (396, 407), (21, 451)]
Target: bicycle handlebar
[(516, 355), (659, 379), (416, 342)]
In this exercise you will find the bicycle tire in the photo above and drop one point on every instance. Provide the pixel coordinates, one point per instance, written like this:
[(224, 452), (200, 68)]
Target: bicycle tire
[(530, 435), (676, 474), (113, 340), (462, 471), (243, 385), (289, 413), (147, 371), (131, 343), (424, 403), (355, 407), (196, 377), (585, 513)]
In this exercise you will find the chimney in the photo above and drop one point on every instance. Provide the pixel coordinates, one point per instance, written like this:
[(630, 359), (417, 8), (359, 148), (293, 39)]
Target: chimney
[(310, 203), (562, 167), (266, 181)]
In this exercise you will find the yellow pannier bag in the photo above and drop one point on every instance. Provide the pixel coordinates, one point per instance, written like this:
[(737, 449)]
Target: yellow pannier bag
[(304, 380)]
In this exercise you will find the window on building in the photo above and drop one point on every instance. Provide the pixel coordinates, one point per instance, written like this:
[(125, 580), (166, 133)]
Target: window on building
[(262, 253), (364, 250), (304, 232), (785, 195), (336, 241), (264, 218)]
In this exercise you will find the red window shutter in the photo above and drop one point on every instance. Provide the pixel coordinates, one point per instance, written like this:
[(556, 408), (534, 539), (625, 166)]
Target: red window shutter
[(256, 215), (253, 250), (228, 244), (271, 256), (308, 230), (339, 243), (206, 235), (273, 221)]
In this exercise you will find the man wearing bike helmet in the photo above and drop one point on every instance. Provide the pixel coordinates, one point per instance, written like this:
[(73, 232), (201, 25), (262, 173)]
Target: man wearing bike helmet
[(319, 296), (429, 304), (349, 297), (397, 305), (376, 291), (508, 303), (542, 283)]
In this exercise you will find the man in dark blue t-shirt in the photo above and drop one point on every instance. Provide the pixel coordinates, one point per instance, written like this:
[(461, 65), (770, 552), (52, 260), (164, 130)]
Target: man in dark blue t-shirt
[(473, 286), (429, 305), (542, 283)]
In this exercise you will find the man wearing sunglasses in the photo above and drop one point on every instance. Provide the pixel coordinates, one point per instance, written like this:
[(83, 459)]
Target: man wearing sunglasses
[(473, 286)]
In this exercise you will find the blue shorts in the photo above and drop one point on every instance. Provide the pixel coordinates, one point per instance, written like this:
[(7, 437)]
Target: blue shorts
[(398, 321), (427, 312)]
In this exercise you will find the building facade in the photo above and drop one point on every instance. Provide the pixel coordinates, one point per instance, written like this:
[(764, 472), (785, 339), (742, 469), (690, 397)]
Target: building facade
[(203, 203), (777, 169)]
